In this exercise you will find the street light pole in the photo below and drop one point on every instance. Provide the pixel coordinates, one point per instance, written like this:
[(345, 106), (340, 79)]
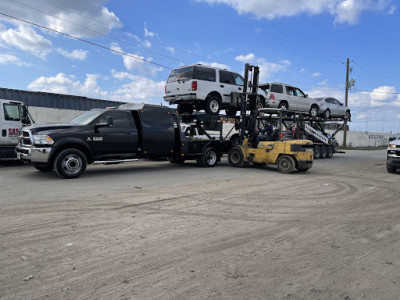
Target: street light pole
[(346, 98)]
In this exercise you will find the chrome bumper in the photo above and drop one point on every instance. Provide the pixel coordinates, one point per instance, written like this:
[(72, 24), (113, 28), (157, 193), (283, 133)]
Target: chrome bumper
[(36, 155)]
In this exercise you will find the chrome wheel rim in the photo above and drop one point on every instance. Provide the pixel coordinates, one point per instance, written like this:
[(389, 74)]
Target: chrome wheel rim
[(211, 158), (71, 164), (214, 106)]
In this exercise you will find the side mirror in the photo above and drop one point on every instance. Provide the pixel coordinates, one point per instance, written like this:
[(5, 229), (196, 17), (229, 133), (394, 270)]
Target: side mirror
[(109, 123), (306, 96), (341, 104)]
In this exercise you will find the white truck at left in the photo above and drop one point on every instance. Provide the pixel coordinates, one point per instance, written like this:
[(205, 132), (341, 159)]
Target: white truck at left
[(13, 116)]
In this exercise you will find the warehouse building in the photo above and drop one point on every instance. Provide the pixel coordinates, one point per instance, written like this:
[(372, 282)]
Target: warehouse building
[(55, 108)]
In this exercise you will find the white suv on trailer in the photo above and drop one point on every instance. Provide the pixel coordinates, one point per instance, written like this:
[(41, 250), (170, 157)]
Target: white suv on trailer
[(203, 87), (281, 95)]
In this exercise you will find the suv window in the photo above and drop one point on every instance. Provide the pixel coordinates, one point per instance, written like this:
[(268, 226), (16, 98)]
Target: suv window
[(290, 90), (225, 77), (276, 88), (299, 93), (202, 73), (11, 112), (181, 74), (238, 79)]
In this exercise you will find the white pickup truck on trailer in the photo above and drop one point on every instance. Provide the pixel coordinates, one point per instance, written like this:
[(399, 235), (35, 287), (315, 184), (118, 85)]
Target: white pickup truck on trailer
[(13, 116)]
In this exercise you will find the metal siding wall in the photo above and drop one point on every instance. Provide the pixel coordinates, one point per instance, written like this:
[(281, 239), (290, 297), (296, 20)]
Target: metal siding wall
[(59, 101)]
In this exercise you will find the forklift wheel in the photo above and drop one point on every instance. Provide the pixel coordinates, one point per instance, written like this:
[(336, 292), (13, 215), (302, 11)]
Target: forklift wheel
[(286, 164), (236, 158)]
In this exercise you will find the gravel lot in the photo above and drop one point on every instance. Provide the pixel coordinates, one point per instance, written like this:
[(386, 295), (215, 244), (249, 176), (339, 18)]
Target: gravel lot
[(152, 230)]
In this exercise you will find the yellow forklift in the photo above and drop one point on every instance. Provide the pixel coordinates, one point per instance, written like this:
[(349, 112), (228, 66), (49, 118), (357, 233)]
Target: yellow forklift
[(276, 147)]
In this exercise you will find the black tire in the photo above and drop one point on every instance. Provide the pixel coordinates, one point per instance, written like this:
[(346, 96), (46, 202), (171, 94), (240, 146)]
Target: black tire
[(209, 158), (44, 168), (317, 152), (314, 111), (327, 114), (390, 170), (329, 151), (260, 103), (286, 164), (346, 115), (231, 111), (324, 152), (213, 105), (70, 163), (176, 160), (236, 157), (283, 105), (303, 169), (335, 147)]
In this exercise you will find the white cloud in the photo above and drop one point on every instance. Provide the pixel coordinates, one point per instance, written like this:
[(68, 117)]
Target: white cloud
[(138, 89), (148, 33), (343, 11), (170, 49), (214, 65), (316, 74), (64, 84), (6, 59), (26, 39), (135, 62), (75, 54), (266, 68), (93, 18)]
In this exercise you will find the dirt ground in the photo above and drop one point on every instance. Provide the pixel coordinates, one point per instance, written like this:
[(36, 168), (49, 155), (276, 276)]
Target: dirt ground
[(158, 231)]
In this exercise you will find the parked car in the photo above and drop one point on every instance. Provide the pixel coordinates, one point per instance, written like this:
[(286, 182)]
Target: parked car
[(281, 95), (393, 155), (331, 107), (203, 87)]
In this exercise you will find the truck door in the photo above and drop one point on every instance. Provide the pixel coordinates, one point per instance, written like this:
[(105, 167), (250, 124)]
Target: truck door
[(119, 139), (229, 82), (10, 121)]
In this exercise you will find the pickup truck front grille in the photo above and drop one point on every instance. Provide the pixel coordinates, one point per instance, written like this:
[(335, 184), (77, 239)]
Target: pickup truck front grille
[(25, 138)]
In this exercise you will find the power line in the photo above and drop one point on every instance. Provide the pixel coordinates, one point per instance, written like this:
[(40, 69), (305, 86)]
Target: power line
[(85, 41), (125, 32), (99, 33)]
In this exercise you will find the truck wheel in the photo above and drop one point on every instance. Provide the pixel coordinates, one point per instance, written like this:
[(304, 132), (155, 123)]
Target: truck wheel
[(176, 160), (209, 158), (327, 114), (317, 152), (303, 169), (314, 111), (212, 105), (283, 105), (329, 151), (323, 152), (286, 164), (44, 168), (236, 157), (390, 170), (70, 163)]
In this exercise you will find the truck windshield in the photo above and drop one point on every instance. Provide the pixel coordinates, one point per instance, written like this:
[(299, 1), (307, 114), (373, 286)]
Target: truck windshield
[(185, 73), (86, 117)]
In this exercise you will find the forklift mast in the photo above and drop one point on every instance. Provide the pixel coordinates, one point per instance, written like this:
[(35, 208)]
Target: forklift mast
[(251, 77)]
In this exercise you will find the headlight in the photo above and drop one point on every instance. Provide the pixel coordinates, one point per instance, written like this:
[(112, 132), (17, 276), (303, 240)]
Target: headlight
[(392, 146), (42, 140)]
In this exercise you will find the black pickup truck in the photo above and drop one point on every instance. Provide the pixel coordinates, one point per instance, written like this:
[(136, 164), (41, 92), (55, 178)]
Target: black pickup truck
[(111, 136)]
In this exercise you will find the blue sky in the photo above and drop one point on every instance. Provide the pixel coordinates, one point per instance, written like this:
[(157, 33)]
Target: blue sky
[(300, 42)]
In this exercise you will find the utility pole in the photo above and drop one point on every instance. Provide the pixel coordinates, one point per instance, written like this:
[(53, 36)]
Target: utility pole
[(346, 100)]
